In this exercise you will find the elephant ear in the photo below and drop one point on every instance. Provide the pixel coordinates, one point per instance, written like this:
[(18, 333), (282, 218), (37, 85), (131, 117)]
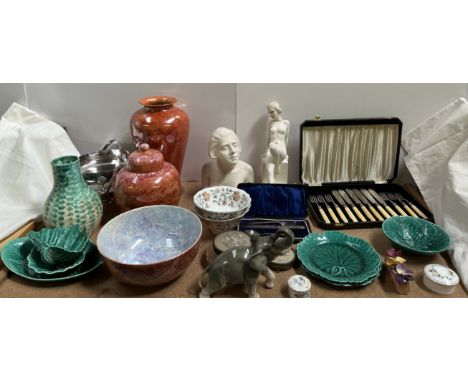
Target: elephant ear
[(253, 252), (256, 261)]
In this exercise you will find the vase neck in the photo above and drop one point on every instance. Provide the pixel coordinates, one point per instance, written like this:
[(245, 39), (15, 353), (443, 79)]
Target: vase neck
[(153, 108), (158, 103), (66, 170)]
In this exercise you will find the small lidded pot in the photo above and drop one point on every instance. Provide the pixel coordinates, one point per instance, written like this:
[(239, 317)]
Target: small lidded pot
[(299, 286), (146, 180), (440, 279)]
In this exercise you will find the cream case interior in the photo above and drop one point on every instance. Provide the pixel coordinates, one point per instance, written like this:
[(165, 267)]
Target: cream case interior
[(338, 151)]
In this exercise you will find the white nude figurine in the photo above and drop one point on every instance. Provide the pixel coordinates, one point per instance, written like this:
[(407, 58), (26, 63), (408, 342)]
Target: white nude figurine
[(275, 160), (227, 169)]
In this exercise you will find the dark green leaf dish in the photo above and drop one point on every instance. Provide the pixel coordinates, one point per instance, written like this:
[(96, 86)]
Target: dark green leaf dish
[(35, 262), (339, 259), (14, 256), (60, 245), (417, 236)]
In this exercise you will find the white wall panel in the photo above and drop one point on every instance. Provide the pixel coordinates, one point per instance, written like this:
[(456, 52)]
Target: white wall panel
[(10, 93), (96, 113), (412, 103)]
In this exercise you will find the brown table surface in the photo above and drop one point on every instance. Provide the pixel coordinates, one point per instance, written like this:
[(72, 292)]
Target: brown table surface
[(100, 283)]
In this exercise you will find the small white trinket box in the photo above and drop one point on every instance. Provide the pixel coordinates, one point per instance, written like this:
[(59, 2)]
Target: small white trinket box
[(299, 286), (440, 278)]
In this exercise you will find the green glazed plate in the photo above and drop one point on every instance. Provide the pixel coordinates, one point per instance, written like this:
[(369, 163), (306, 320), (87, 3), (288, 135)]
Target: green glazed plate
[(339, 259), (417, 236), (360, 284), (14, 255)]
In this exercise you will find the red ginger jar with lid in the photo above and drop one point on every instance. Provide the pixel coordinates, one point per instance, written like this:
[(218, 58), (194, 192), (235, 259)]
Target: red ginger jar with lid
[(163, 126), (146, 180)]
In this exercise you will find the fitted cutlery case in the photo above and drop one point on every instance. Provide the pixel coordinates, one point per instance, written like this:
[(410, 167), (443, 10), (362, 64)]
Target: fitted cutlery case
[(348, 166), (274, 206)]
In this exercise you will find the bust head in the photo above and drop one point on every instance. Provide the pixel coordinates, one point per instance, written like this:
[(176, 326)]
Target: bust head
[(274, 109), (224, 145)]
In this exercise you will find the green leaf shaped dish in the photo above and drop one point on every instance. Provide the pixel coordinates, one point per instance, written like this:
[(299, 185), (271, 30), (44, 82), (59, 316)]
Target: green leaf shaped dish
[(60, 245), (14, 256), (417, 236), (35, 262), (339, 259)]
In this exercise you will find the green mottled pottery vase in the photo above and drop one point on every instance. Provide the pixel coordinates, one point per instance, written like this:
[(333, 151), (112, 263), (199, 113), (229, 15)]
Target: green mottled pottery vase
[(71, 201)]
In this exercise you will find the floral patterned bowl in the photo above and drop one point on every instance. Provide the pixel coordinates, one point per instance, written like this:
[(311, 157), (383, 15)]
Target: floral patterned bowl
[(150, 245), (221, 203), (219, 226)]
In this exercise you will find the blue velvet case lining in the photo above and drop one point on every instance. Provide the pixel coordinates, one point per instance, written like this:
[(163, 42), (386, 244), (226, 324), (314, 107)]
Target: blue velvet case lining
[(276, 200)]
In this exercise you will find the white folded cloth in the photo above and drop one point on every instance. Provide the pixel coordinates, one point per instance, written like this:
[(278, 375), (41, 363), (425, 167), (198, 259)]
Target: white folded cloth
[(438, 161), (28, 143)]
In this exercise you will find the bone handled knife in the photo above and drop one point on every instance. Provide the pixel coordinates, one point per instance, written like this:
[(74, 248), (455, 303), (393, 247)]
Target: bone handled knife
[(405, 205), (347, 199), (321, 199), (366, 203), (341, 201), (330, 200), (382, 202), (358, 202), (375, 203)]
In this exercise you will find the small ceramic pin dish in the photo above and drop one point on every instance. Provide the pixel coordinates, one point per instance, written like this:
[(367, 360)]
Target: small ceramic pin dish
[(230, 239), (299, 286), (440, 279)]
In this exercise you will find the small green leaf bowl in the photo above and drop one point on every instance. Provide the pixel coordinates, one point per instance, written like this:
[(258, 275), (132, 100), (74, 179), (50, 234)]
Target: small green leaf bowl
[(416, 236), (60, 245)]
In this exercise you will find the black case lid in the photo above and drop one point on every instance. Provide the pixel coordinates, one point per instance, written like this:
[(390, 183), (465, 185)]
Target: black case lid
[(358, 122)]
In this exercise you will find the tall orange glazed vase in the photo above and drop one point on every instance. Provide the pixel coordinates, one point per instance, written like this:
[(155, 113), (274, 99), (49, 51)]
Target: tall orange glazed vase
[(163, 126)]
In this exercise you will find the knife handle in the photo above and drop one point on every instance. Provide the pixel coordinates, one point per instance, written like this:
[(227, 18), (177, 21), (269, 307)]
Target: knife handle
[(410, 211), (324, 215), (368, 214), (377, 215), (358, 213), (383, 212), (418, 211), (333, 216), (400, 211), (342, 215), (389, 209), (350, 214)]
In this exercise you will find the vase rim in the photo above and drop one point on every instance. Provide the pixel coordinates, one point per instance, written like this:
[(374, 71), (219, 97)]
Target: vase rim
[(66, 160), (157, 101)]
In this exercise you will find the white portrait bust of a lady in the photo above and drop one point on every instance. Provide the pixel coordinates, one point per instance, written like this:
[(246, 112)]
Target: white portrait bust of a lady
[(227, 169), (275, 160)]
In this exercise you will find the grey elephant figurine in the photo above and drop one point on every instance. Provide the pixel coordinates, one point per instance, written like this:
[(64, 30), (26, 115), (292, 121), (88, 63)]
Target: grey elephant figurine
[(243, 265)]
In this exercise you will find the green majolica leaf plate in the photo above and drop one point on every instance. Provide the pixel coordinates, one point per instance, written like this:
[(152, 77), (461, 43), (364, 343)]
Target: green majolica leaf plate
[(415, 235), (339, 259), (14, 255)]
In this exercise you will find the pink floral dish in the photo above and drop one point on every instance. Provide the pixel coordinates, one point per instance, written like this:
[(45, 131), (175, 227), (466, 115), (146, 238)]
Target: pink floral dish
[(221, 202)]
